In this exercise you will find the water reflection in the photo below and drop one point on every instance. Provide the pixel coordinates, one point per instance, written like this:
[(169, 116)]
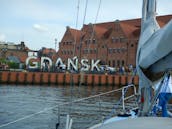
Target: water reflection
[(20, 101)]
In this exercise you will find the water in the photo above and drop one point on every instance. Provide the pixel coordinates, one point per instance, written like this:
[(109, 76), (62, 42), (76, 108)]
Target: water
[(20, 101)]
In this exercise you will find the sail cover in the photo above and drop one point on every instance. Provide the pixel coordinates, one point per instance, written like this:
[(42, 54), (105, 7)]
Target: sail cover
[(154, 51), (155, 44)]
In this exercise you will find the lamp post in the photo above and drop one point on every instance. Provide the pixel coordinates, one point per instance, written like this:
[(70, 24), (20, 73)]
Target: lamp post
[(55, 44)]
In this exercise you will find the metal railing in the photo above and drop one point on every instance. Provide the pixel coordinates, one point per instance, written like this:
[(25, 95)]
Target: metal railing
[(85, 111), (100, 106)]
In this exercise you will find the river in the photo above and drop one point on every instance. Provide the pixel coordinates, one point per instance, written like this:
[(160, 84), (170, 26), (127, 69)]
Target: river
[(35, 107)]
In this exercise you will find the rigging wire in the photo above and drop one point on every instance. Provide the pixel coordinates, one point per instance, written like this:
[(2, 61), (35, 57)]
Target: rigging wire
[(74, 48), (92, 35), (93, 27), (81, 36), (80, 45), (76, 26), (85, 11)]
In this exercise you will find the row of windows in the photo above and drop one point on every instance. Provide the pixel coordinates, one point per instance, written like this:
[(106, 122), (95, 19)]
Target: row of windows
[(90, 41), (117, 50), (118, 40), (90, 51), (67, 43), (67, 52)]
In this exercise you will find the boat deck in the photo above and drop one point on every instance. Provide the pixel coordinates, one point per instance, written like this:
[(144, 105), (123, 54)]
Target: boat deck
[(140, 123)]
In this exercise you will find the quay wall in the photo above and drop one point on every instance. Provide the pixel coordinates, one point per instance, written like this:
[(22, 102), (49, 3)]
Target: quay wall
[(8, 77)]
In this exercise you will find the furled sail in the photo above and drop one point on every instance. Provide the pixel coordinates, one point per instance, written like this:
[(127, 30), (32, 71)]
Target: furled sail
[(154, 52)]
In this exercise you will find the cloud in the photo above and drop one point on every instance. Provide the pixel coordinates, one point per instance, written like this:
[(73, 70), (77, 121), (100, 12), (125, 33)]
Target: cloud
[(2, 37), (40, 28)]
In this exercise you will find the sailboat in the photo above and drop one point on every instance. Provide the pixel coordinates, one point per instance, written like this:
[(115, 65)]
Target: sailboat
[(153, 62)]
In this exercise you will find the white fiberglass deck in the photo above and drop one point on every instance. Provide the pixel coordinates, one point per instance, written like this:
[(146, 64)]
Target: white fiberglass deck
[(140, 123)]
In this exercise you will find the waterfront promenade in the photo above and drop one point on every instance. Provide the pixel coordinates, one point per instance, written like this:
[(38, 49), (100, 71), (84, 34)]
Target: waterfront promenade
[(8, 77)]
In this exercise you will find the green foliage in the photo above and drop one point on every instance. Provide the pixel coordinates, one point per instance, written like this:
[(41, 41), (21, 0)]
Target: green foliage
[(3, 60), (13, 65)]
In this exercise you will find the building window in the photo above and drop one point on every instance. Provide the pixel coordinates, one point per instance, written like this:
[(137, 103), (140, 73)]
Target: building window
[(85, 51), (94, 41), (122, 39), (86, 41), (132, 45), (109, 62), (95, 51), (116, 39), (89, 41), (91, 51), (118, 63), (110, 50), (113, 63), (123, 62), (123, 49), (113, 39), (118, 50), (114, 50)]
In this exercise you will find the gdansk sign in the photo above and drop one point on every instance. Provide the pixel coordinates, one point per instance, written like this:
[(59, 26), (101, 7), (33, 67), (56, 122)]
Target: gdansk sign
[(72, 64)]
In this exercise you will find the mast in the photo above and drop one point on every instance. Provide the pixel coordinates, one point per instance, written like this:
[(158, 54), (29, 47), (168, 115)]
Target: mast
[(148, 26), (154, 53)]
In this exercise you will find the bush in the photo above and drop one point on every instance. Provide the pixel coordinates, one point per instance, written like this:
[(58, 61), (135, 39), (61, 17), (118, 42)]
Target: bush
[(13, 65)]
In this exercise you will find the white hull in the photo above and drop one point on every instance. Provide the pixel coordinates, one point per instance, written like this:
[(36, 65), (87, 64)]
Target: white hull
[(139, 123)]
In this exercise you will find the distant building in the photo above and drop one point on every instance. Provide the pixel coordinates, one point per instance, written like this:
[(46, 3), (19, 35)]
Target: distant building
[(114, 43), (14, 52), (48, 52)]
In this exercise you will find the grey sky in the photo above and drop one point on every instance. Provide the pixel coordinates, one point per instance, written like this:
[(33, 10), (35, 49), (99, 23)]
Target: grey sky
[(39, 22)]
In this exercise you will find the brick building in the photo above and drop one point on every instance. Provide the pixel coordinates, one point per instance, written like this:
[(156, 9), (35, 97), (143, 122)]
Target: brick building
[(19, 51), (48, 52), (114, 43)]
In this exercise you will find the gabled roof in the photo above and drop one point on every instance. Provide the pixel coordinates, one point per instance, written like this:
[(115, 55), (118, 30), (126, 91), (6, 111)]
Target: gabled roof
[(128, 30), (76, 34), (164, 18), (100, 31), (131, 28)]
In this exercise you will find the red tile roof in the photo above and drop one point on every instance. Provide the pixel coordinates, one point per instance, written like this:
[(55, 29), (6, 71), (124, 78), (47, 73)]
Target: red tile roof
[(128, 30), (131, 28), (76, 34), (100, 31)]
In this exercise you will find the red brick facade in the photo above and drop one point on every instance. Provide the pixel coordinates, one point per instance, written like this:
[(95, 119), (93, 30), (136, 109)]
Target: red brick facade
[(19, 50), (114, 43)]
